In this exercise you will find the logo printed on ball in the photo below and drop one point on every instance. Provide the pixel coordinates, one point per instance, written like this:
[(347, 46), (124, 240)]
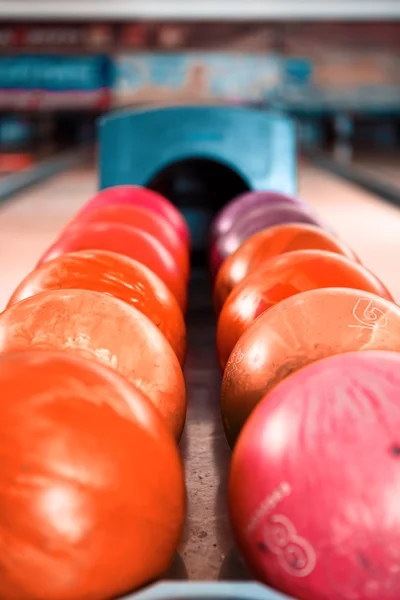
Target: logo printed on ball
[(369, 316), (269, 503), (238, 356), (235, 360), (295, 554)]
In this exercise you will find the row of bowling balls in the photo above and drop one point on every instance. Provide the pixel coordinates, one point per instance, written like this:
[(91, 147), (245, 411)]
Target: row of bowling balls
[(309, 344), (92, 342)]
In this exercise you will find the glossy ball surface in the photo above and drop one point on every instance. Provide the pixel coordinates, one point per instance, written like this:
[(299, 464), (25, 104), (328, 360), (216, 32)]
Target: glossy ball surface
[(266, 244), (118, 276), (284, 276), (314, 481), (257, 220), (104, 329), (128, 241), (240, 205), (92, 500), (140, 196), (296, 332), (140, 218)]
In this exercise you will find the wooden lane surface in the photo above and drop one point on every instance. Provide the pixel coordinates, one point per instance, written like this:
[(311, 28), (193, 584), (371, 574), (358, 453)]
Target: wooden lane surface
[(370, 226), (383, 166), (30, 222)]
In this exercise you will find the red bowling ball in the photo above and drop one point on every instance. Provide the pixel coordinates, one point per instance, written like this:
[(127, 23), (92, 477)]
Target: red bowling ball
[(140, 218), (91, 481), (126, 240), (315, 479), (140, 196)]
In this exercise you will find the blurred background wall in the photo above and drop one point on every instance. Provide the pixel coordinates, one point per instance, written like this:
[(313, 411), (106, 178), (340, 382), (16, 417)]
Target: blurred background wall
[(340, 79)]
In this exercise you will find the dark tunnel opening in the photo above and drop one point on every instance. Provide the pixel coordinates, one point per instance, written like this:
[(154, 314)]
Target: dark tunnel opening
[(199, 188)]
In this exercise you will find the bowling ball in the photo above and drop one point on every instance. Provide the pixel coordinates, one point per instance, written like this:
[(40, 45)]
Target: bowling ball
[(216, 256), (240, 205), (296, 332), (254, 221), (141, 196), (314, 480), (92, 497), (114, 274), (104, 329), (126, 240), (284, 276), (267, 243), (140, 218)]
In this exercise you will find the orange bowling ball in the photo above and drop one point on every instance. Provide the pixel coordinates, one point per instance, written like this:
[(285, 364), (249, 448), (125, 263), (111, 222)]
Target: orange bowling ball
[(283, 276), (91, 481), (117, 275), (141, 218), (105, 329), (126, 240), (296, 332), (268, 243)]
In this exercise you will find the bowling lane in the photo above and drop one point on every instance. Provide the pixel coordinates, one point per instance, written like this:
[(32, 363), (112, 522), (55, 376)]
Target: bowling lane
[(31, 221), (384, 167), (369, 225)]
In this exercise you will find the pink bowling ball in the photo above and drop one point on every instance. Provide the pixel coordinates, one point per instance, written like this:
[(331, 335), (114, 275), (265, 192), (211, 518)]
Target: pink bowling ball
[(140, 196), (315, 481)]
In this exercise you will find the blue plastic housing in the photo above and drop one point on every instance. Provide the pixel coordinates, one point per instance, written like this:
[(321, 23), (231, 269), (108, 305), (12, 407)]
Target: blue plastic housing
[(136, 145)]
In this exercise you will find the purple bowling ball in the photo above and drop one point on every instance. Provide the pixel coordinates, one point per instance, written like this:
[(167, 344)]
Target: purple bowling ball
[(257, 212), (257, 219), (240, 205)]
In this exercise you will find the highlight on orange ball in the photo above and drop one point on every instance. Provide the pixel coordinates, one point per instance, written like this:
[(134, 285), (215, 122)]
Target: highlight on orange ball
[(128, 241), (91, 477), (140, 218), (104, 329), (118, 276), (296, 332), (266, 244), (281, 277)]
